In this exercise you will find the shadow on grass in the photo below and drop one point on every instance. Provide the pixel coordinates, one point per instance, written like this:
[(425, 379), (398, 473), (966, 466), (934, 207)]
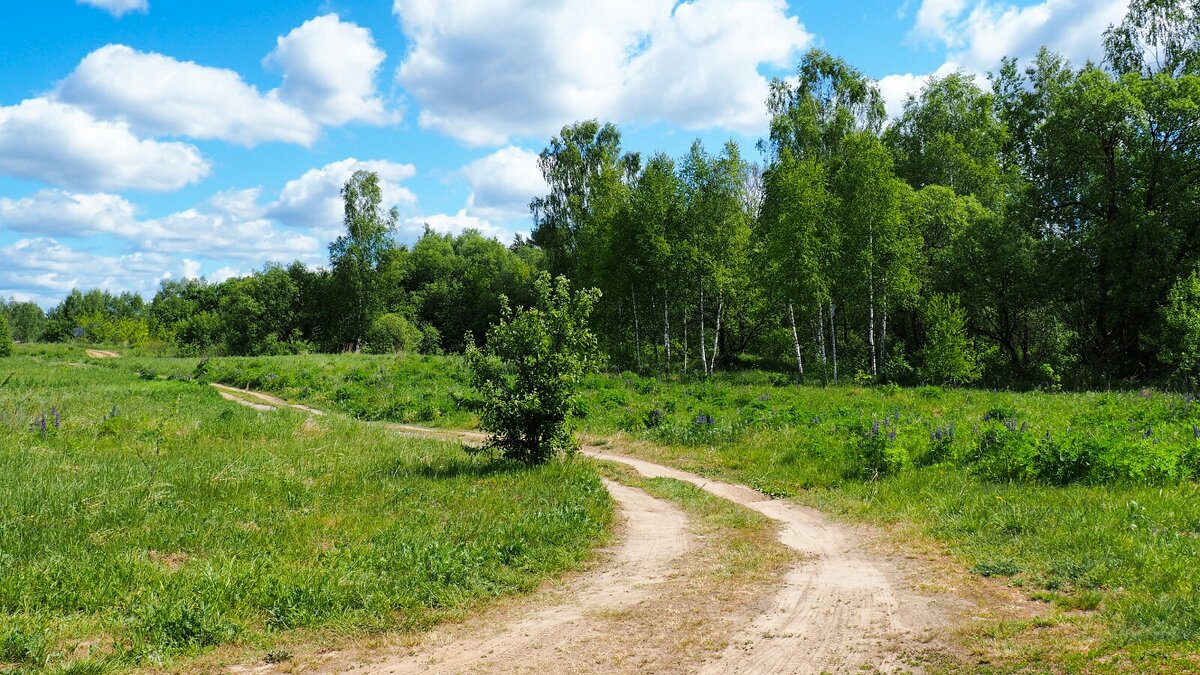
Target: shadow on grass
[(450, 468)]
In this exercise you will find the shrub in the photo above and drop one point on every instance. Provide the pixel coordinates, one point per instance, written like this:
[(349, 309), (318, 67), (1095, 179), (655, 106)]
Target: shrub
[(529, 372), (392, 333), (878, 455), (6, 338), (1005, 453)]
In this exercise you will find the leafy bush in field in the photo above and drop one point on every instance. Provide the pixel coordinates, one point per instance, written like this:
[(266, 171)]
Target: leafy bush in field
[(528, 374), (6, 338), (1004, 452), (392, 333), (878, 454)]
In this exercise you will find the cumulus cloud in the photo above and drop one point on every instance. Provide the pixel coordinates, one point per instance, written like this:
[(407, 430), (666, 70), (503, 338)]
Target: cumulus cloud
[(490, 70), (46, 140), (453, 224), (203, 232), (62, 213), (43, 270), (897, 88), (158, 95), (329, 70), (503, 183), (118, 8), (977, 34), (238, 229), (314, 199)]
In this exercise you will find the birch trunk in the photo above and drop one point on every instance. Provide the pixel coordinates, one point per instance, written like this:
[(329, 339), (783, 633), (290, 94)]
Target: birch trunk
[(796, 340), (703, 349), (871, 304), (666, 334), (833, 337), (637, 332), (716, 337), (685, 343)]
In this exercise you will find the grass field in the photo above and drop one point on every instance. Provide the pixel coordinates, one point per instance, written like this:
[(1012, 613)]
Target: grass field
[(1086, 501), (144, 520)]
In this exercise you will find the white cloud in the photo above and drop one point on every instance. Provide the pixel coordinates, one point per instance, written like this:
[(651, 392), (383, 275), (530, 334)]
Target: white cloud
[(978, 34), (45, 140), (329, 70), (191, 269), (453, 224), (314, 199), (503, 183), (118, 8), (158, 95), (201, 232), (43, 270), (225, 274), (489, 70), (62, 213), (897, 88)]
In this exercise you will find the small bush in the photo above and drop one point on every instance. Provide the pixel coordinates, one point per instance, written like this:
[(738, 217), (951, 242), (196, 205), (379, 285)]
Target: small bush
[(6, 337), (392, 333), (878, 455), (530, 371)]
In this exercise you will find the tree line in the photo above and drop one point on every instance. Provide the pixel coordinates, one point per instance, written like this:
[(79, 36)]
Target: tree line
[(1041, 228)]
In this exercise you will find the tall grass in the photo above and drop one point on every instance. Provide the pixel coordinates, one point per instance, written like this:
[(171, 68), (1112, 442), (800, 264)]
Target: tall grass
[(142, 519)]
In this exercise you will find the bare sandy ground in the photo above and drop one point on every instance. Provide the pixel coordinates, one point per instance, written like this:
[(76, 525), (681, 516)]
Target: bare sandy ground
[(102, 354), (259, 400), (842, 609)]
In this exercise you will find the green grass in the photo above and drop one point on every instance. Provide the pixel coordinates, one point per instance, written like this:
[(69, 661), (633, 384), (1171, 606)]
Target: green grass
[(153, 520), (1088, 500)]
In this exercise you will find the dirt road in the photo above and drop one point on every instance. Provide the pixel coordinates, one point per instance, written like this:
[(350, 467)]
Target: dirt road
[(842, 608)]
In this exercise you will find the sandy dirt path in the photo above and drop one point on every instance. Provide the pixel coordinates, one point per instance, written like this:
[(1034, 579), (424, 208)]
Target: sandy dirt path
[(102, 354), (841, 610), (259, 400)]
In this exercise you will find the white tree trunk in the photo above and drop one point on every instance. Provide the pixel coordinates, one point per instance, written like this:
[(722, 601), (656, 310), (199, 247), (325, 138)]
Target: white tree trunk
[(703, 348), (796, 340), (666, 334), (716, 337), (637, 332), (871, 303), (685, 343), (833, 339)]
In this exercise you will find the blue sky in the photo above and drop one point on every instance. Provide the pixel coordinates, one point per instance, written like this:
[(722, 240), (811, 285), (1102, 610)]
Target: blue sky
[(143, 139)]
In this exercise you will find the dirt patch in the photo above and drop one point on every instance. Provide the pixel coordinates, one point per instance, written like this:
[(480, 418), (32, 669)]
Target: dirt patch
[(102, 354), (841, 609), (259, 400)]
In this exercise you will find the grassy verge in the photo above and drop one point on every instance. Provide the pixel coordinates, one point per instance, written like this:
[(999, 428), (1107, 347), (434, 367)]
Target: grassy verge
[(147, 520)]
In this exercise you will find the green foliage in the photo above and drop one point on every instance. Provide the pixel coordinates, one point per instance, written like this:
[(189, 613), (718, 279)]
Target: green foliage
[(529, 372), (6, 337), (358, 257), (1181, 316), (392, 333), (949, 356)]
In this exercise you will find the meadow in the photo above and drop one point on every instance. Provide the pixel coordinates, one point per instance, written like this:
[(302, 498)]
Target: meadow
[(1086, 501), (144, 520)]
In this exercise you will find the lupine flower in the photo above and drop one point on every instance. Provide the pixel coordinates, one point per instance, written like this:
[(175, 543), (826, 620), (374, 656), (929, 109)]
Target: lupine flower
[(54, 412)]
